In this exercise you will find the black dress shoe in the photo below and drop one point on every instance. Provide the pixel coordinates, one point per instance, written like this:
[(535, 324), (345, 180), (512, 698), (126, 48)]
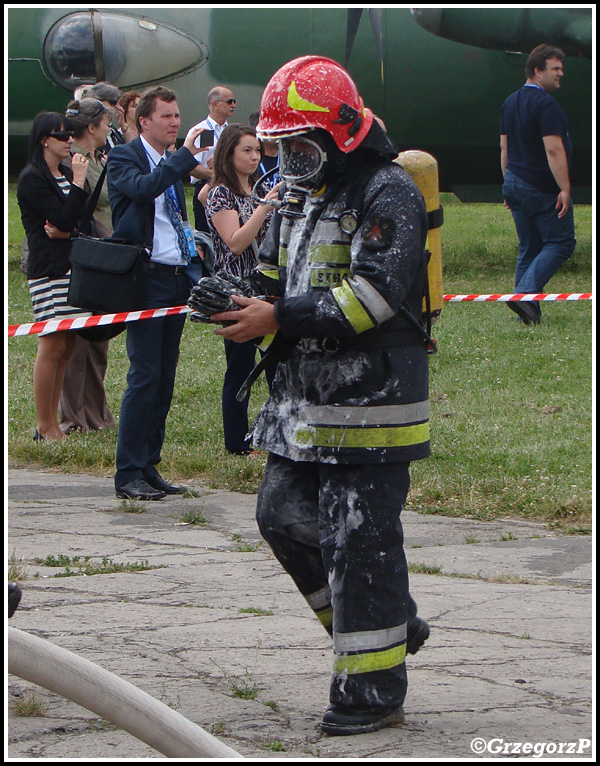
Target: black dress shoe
[(528, 312), (345, 721), (138, 489), (417, 632), (157, 482)]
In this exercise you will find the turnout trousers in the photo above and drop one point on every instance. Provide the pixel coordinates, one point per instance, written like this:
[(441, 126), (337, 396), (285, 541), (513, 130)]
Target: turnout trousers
[(336, 531)]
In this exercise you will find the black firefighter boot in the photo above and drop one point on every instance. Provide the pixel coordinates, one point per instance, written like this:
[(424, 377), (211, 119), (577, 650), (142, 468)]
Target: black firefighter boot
[(345, 721)]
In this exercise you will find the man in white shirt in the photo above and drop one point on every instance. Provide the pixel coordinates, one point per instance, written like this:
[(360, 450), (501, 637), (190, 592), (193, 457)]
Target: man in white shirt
[(221, 106)]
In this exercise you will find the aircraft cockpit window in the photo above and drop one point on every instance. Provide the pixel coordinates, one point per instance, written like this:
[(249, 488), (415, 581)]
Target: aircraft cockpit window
[(124, 49)]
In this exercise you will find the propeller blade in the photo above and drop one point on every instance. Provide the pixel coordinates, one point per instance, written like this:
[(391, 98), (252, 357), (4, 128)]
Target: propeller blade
[(376, 16), (352, 22)]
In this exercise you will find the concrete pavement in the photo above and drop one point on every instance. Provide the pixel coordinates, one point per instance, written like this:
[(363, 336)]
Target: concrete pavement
[(218, 631)]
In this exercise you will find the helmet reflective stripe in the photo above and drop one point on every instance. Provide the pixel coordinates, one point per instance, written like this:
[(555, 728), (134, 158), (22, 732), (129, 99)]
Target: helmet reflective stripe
[(295, 101)]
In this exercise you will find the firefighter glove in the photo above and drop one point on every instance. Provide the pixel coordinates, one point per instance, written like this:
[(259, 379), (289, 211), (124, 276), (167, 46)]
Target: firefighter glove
[(212, 295)]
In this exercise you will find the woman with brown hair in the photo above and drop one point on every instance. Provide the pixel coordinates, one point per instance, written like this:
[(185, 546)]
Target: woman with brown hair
[(238, 225), (128, 102)]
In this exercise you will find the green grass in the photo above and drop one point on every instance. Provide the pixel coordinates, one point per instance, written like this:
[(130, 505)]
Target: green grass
[(511, 404)]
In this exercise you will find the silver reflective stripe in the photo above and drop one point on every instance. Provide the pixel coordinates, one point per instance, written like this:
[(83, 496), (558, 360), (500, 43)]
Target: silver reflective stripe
[(368, 640), (385, 414), (319, 599), (371, 299), (328, 230)]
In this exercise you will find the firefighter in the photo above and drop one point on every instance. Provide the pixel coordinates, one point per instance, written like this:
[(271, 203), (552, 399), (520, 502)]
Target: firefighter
[(341, 279)]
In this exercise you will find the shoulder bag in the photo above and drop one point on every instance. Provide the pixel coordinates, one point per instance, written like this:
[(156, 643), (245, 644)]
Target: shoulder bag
[(109, 275)]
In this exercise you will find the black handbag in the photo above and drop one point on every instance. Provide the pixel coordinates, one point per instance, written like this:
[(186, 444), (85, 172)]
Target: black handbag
[(107, 275)]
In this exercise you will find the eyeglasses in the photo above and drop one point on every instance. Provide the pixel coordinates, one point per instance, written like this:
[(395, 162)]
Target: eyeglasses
[(62, 135), (228, 101)]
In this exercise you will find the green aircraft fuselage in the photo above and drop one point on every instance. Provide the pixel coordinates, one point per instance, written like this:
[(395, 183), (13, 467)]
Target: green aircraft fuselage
[(436, 95)]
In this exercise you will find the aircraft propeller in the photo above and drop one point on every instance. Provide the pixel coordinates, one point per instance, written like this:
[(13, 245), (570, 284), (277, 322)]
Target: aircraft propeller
[(353, 20)]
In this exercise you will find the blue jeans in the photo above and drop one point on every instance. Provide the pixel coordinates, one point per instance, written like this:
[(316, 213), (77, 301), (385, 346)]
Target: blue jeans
[(545, 240)]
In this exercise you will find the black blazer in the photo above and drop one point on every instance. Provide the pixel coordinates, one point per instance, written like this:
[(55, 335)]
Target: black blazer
[(40, 199), (133, 187)]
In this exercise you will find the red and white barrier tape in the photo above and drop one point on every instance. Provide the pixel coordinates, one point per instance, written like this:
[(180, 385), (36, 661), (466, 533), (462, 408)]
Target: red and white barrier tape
[(78, 323), (521, 297)]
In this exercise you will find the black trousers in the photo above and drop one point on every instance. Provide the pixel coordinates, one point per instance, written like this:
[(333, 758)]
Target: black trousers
[(336, 530), (200, 222)]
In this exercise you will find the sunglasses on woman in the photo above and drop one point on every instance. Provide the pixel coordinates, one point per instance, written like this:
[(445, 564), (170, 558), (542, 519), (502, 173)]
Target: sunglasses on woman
[(62, 135)]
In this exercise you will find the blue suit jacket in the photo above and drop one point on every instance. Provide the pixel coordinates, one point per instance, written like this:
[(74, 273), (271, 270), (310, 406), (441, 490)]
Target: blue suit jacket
[(133, 187)]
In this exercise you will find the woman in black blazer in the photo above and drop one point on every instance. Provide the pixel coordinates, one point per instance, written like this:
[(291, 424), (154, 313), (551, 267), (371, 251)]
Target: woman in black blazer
[(50, 193)]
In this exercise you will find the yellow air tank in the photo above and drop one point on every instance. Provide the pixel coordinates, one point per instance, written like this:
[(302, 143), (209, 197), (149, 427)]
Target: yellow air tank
[(423, 169)]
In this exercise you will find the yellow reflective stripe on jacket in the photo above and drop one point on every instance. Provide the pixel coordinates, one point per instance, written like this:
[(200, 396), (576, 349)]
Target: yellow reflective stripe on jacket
[(268, 271), (283, 255), (371, 299), (369, 662), (330, 254), (352, 308), (357, 437), (266, 341)]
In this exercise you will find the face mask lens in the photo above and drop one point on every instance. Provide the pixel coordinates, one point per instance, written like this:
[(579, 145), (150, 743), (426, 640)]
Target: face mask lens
[(301, 159)]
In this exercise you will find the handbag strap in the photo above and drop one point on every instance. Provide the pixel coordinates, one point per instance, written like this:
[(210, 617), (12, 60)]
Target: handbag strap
[(85, 222)]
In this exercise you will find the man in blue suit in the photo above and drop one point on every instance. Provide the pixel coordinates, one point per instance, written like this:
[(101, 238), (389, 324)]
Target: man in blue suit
[(148, 206)]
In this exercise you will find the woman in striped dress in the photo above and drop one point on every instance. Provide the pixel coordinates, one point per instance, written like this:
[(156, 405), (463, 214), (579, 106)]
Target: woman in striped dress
[(48, 192)]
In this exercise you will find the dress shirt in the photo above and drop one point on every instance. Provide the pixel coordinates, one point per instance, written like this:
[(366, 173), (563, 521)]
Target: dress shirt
[(165, 248), (204, 157)]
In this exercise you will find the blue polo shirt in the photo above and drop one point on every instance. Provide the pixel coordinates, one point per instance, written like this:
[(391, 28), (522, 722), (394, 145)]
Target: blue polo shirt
[(528, 115)]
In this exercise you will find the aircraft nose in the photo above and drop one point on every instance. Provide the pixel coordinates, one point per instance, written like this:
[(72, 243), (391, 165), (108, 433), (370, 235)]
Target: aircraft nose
[(122, 48), (429, 19)]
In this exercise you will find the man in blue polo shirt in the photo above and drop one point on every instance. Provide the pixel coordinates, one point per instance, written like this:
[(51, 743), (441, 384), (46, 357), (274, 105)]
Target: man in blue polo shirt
[(535, 157)]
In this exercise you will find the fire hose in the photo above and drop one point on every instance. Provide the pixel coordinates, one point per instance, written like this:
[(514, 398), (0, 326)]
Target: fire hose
[(116, 700)]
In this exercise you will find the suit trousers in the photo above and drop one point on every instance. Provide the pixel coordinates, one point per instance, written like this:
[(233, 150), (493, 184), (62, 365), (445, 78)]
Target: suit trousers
[(153, 350)]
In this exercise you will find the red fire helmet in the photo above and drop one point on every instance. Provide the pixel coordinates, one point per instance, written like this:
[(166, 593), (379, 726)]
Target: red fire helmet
[(314, 92)]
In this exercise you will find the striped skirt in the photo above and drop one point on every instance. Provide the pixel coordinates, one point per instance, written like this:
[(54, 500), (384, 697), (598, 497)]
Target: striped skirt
[(49, 299)]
